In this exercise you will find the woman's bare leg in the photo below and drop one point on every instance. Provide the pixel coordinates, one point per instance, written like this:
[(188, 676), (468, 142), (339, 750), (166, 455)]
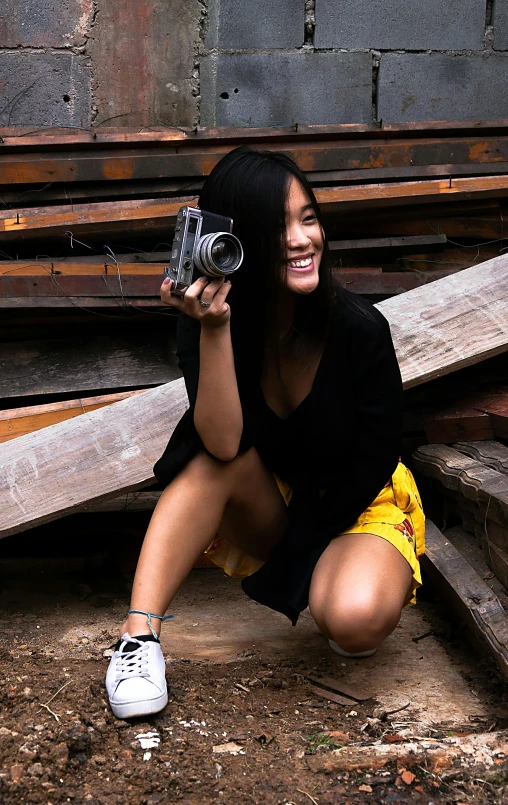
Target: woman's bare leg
[(359, 587), (239, 499)]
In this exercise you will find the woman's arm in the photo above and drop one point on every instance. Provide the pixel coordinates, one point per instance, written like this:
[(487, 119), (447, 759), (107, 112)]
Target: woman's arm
[(218, 413), (209, 369)]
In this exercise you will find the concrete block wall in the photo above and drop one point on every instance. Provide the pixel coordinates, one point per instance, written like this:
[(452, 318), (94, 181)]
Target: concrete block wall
[(251, 62)]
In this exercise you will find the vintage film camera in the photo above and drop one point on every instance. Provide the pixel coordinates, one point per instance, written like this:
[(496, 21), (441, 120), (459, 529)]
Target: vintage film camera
[(202, 242)]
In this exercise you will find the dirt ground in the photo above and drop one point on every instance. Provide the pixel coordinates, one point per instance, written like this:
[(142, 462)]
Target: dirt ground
[(244, 724)]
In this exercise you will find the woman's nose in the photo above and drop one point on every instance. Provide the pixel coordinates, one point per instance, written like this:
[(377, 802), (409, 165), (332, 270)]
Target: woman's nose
[(296, 237)]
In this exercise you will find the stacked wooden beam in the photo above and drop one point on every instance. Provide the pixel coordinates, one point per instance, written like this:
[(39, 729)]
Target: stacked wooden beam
[(422, 184)]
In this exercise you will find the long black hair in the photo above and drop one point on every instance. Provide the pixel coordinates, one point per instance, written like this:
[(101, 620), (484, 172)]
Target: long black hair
[(252, 187)]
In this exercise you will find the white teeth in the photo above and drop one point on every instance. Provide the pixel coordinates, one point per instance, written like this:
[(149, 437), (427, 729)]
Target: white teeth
[(300, 263)]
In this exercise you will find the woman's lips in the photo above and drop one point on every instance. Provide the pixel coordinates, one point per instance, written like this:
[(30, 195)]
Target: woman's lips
[(301, 269)]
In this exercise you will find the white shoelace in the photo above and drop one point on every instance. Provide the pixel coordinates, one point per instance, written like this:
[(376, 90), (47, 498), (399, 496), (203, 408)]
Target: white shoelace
[(130, 663)]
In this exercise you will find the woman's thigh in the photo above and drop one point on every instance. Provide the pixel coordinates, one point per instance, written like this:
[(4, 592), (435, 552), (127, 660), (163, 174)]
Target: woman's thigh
[(360, 584), (255, 515)]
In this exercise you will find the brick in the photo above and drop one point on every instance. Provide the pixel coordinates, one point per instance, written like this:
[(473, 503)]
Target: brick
[(404, 24), (44, 23), (143, 61), (442, 87), (44, 89), (235, 25), (278, 90), (500, 23)]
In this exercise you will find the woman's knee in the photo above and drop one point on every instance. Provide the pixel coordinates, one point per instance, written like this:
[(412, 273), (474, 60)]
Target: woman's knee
[(357, 623)]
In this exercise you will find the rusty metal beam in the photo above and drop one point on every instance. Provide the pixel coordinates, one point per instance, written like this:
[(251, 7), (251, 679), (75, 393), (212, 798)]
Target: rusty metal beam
[(195, 159)]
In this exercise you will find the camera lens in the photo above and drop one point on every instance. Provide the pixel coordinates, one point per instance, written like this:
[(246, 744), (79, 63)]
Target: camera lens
[(219, 254)]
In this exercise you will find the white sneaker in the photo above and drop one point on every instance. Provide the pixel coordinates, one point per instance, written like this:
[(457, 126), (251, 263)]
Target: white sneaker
[(343, 653), (136, 677)]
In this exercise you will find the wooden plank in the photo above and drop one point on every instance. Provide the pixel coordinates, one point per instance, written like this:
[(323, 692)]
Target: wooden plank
[(339, 686), (195, 158), (16, 422), (29, 368), (138, 281), (130, 501), (470, 598), (454, 322), (331, 697), (385, 283), (107, 451), (82, 302), (463, 474), (107, 448), (462, 422), (155, 215), (491, 453), (482, 415), (400, 243), (15, 137)]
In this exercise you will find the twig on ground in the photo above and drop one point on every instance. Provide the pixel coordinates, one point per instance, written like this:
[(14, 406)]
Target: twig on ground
[(307, 795), (54, 697)]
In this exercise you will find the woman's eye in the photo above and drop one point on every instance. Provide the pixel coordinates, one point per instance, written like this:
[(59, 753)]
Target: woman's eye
[(310, 219)]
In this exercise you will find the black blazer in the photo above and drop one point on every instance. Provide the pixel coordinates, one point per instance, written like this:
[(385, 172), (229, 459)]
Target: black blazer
[(345, 438)]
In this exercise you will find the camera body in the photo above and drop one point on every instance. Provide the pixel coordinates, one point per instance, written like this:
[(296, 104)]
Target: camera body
[(203, 243)]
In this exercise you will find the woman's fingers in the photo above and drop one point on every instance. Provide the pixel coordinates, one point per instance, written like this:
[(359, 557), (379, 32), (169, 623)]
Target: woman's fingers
[(220, 297), (195, 290), (167, 297)]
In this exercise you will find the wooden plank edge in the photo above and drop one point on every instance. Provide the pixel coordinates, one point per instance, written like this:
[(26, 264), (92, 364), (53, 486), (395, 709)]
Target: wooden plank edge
[(469, 596)]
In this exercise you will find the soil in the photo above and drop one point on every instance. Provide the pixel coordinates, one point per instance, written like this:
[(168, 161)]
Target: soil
[(243, 724)]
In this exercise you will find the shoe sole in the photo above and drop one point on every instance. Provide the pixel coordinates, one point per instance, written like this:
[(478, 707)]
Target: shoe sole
[(135, 709)]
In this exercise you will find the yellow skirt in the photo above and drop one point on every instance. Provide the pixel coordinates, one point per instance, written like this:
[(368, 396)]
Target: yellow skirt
[(395, 515)]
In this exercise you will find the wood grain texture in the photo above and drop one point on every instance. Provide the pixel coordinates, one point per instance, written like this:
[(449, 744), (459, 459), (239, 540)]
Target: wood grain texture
[(432, 336), (55, 471), (152, 215), (55, 366), (473, 480), (16, 422), (454, 322), (491, 453), (470, 597)]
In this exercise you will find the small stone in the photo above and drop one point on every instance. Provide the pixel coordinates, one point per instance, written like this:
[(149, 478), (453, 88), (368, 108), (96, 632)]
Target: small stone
[(36, 770), (16, 772), (4, 732), (100, 760), (60, 755)]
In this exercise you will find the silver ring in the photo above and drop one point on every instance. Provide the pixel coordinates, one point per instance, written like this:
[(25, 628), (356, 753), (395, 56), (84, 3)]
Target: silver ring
[(204, 304)]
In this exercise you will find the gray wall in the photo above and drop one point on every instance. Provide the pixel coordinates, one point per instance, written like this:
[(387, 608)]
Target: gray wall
[(251, 62)]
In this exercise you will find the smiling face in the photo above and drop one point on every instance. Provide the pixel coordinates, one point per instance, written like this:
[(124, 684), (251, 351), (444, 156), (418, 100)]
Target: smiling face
[(303, 241)]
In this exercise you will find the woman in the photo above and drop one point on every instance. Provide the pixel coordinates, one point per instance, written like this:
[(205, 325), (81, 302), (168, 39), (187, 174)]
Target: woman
[(286, 465)]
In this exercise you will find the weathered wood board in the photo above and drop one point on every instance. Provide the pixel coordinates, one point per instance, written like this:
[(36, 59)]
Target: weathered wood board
[(451, 323), (469, 596), (56, 470), (49, 473), (460, 473), (15, 422), (55, 366), (493, 454)]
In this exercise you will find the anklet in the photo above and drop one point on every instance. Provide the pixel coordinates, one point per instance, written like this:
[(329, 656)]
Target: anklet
[(151, 615)]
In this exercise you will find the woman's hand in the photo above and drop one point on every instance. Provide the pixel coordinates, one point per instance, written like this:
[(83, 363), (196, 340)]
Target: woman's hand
[(204, 300)]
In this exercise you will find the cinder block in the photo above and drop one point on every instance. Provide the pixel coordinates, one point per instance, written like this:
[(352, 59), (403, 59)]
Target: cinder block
[(282, 89), (44, 23), (404, 24), (242, 24), (44, 89), (143, 62), (500, 23), (434, 86)]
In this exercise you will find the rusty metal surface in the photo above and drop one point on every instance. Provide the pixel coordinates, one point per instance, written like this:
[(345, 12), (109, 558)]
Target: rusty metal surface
[(196, 159)]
